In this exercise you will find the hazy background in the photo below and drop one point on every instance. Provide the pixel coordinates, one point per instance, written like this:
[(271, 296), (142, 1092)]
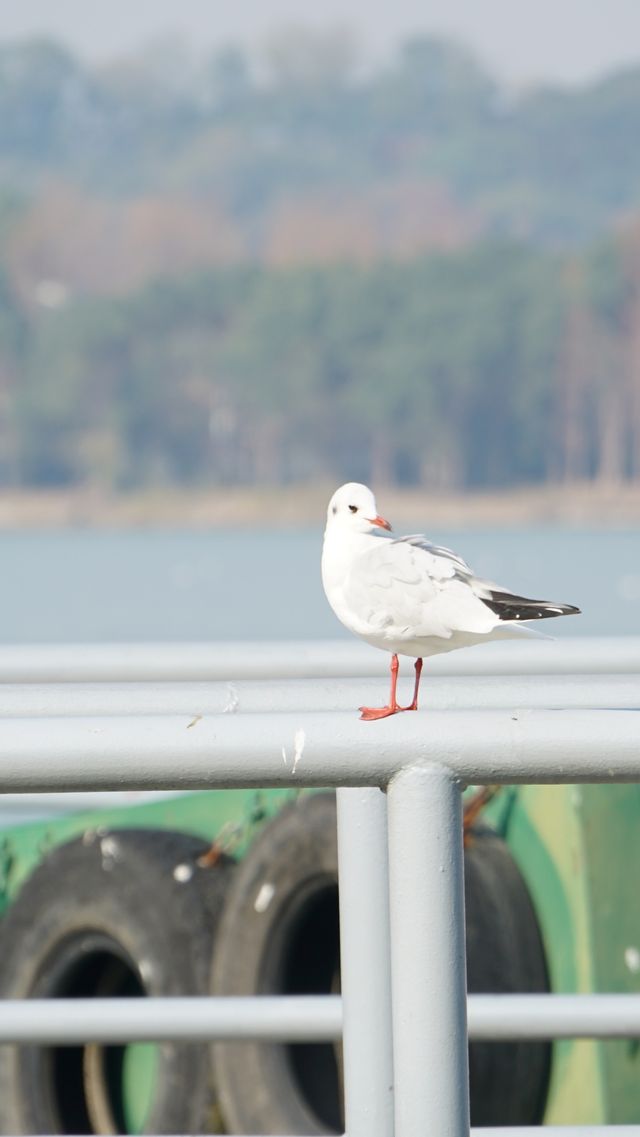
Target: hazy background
[(239, 249), (569, 42)]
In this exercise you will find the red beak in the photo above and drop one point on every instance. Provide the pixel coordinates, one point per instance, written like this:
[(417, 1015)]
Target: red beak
[(380, 521)]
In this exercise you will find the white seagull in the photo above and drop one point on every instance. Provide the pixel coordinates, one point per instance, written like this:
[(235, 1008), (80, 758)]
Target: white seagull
[(409, 597)]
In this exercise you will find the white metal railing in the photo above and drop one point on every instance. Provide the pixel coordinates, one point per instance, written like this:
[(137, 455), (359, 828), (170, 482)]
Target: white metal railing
[(198, 699), (139, 752), (247, 696), (43, 663), (299, 1018), (400, 853)]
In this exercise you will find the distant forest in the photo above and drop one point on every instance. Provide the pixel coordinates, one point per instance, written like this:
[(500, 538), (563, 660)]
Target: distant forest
[(277, 269)]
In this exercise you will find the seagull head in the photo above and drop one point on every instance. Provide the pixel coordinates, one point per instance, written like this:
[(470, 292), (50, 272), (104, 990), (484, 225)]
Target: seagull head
[(353, 509)]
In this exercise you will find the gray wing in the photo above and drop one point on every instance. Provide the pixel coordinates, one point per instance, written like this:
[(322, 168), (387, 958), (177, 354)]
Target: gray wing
[(415, 589), (443, 563)]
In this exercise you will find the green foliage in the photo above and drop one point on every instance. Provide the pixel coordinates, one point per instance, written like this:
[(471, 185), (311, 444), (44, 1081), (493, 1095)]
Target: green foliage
[(38, 82), (447, 370), (495, 363), (552, 163)]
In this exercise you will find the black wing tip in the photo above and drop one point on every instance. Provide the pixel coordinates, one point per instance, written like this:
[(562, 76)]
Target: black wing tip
[(550, 610), (570, 610), (509, 607)]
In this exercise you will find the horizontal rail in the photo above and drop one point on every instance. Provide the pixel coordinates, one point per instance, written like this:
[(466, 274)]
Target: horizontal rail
[(259, 696), (557, 1131), (315, 749), (549, 1131), (43, 663), (195, 699), (497, 1017), (298, 1018)]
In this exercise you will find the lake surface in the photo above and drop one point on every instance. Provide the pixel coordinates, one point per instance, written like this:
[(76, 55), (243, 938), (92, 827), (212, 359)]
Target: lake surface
[(83, 585)]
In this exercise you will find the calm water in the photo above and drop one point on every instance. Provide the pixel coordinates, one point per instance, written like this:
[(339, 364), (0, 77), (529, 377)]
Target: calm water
[(79, 585)]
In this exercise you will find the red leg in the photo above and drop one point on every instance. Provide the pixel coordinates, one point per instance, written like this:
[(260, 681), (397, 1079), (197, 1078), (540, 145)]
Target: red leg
[(369, 713), (413, 705)]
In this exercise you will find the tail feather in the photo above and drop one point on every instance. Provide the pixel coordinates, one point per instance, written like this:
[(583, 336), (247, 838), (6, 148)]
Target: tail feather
[(509, 607)]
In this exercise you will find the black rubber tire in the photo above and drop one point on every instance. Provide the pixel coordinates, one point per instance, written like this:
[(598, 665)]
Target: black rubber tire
[(509, 1081), (279, 934), (119, 912)]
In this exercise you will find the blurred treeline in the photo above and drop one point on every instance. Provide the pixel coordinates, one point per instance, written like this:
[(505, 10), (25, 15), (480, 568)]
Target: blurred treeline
[(290, 267)]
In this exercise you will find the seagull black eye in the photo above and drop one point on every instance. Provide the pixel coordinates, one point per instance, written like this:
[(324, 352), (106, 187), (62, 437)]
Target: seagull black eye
[(353, 508), (334, 510)]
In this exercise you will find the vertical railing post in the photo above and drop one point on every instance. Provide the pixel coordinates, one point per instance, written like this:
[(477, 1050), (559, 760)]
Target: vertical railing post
[(428, 954), (365, 962)]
